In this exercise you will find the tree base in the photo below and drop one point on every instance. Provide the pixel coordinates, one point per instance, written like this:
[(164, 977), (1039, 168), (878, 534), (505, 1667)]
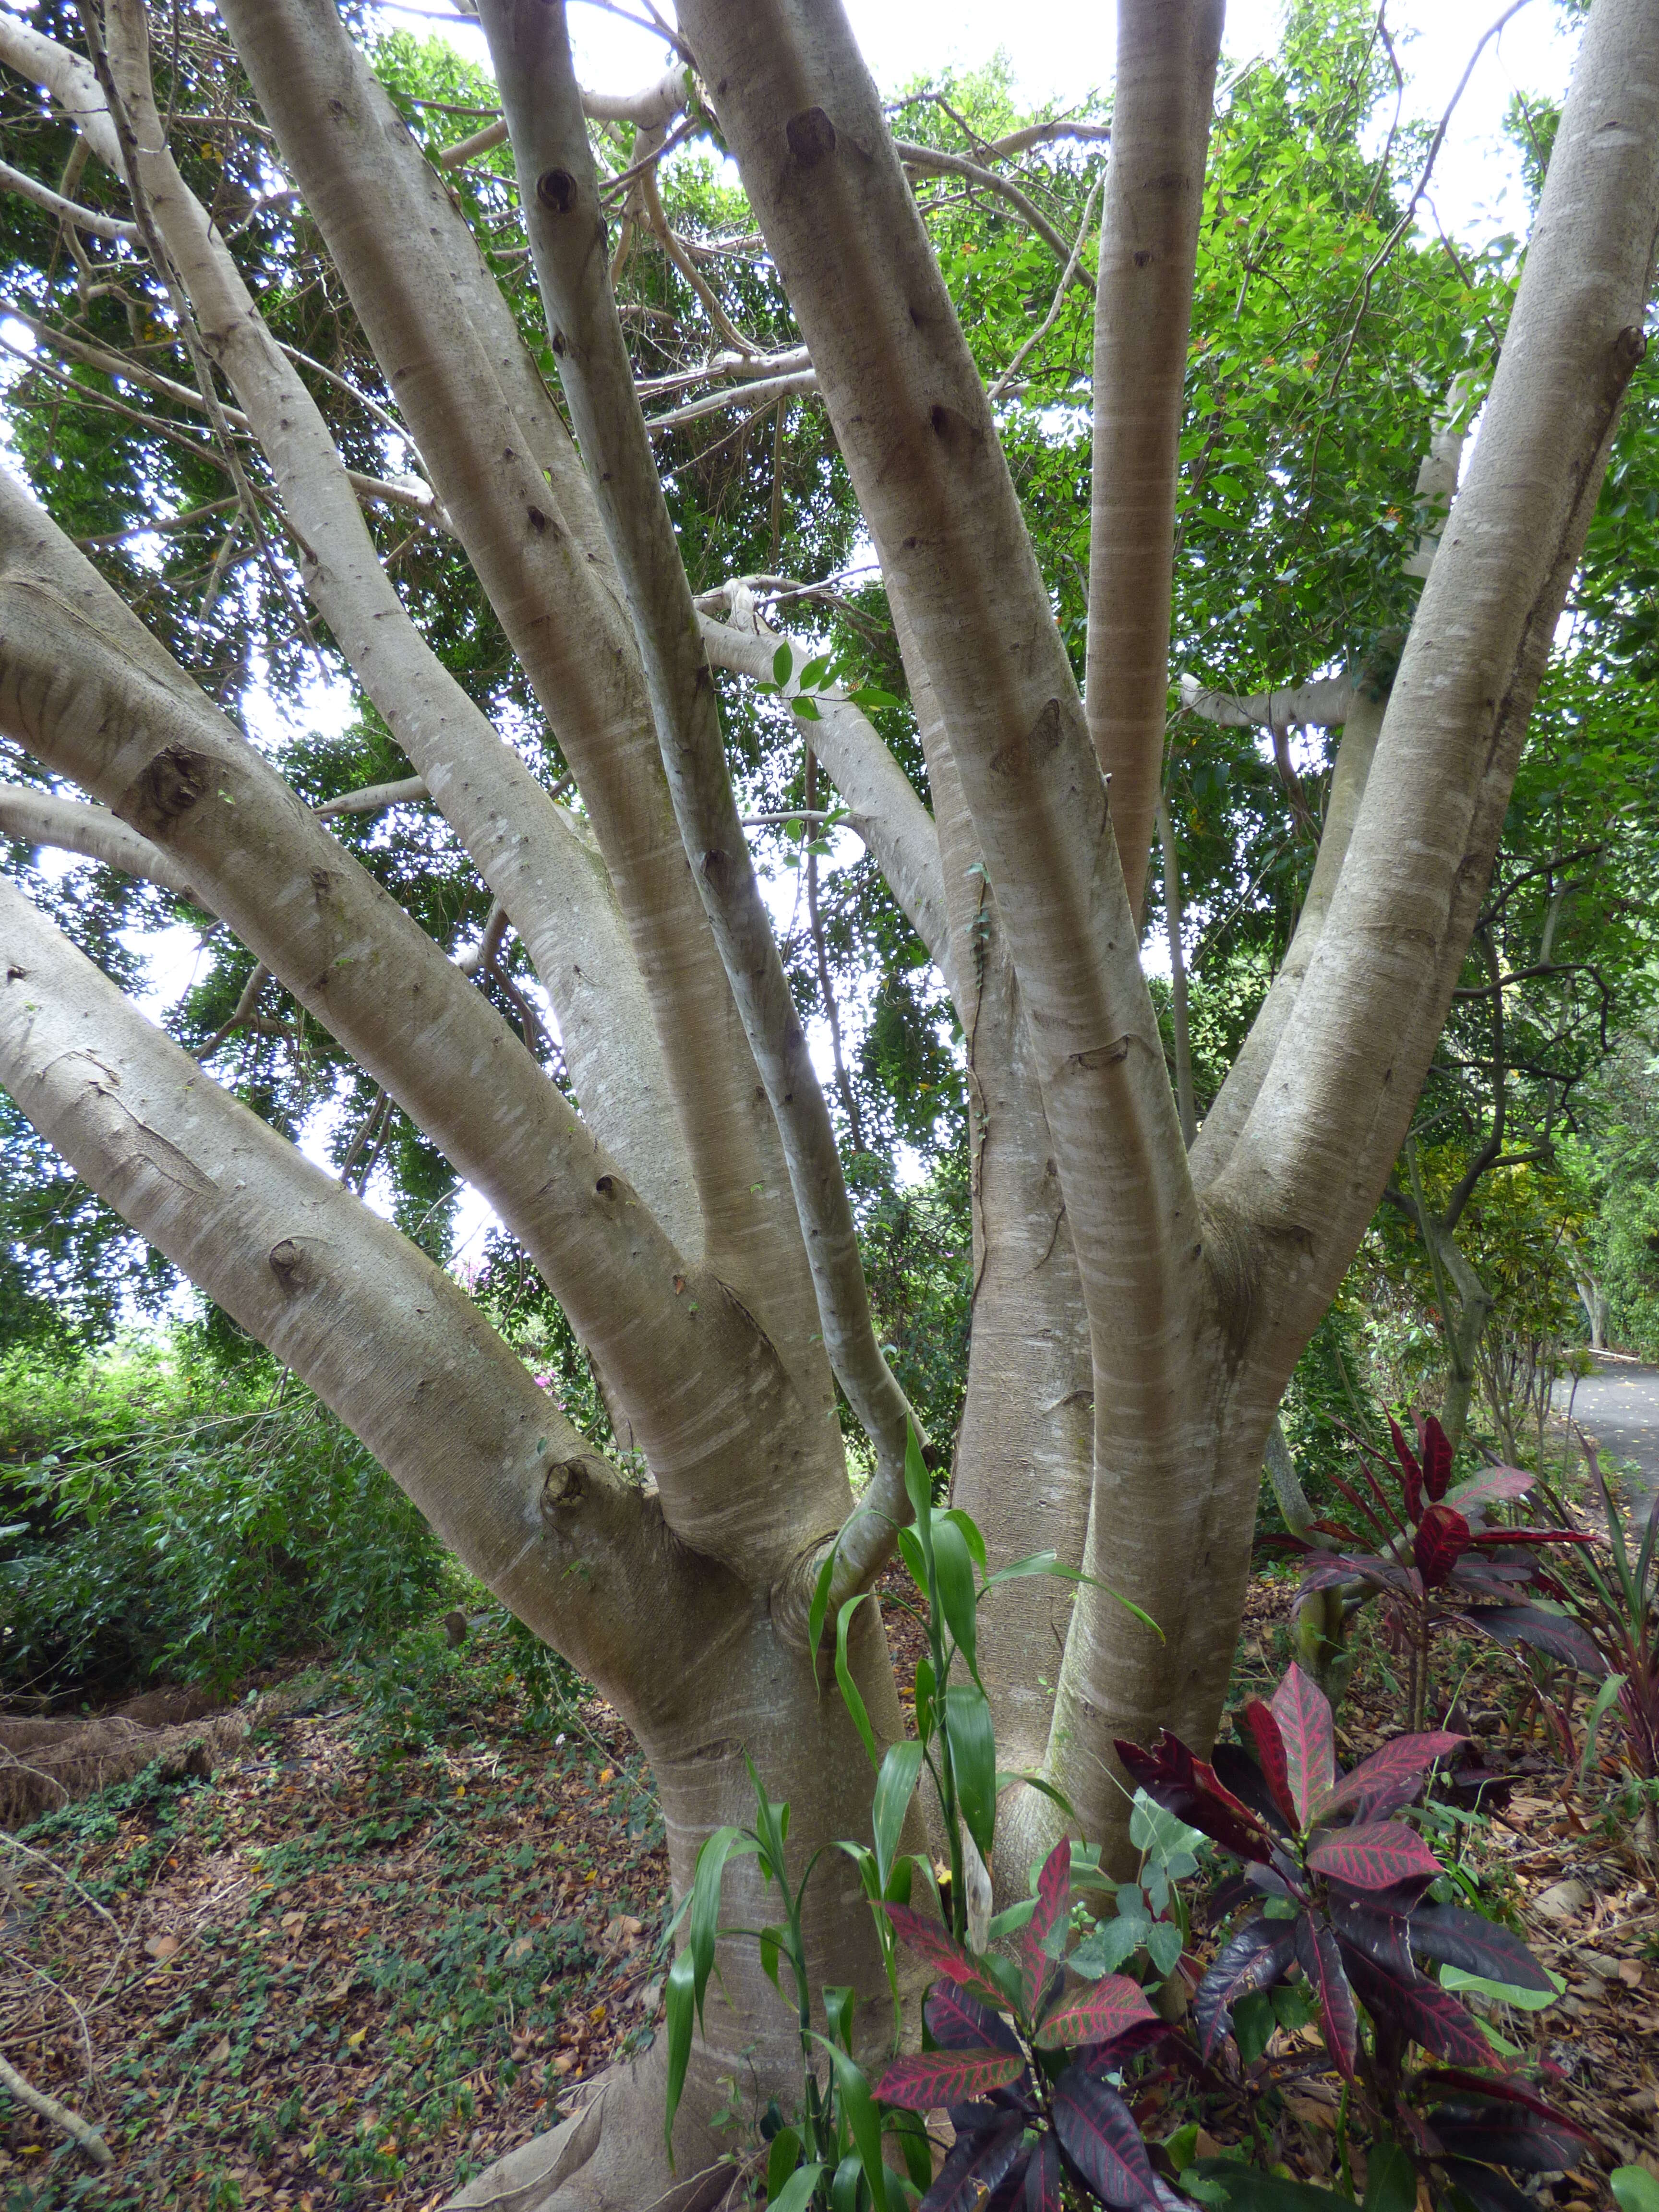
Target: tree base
[(610, 2157)]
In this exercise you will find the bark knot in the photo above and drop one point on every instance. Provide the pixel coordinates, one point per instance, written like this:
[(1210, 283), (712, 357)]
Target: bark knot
[(287, 1260), (565, 1484), (1021, 754), (167, 790), (812, 137), (556, 191), (538, 519)]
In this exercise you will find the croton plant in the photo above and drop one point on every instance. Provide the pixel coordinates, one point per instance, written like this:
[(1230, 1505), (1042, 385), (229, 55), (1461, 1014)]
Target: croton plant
[(1340, 1881)]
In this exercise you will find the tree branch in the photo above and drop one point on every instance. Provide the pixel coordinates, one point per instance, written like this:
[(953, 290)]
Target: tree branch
[(40, 817), (87, 219), (932, 161), (1166, 60), (440, 1399), (558, 188)]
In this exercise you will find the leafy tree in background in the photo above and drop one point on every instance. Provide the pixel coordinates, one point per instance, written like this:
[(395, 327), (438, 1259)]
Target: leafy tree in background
[(311, 340)]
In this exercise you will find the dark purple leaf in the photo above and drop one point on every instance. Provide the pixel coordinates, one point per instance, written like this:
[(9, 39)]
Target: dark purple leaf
[(1042, 2177), (1107, 2057), (1411, 1473), (976, 2164), (1271, 1756), (1333, 1567), (1488, 2189), (1098, 2133), (946, 2077), (1375, 1855), (1099, 2013), (1552, 1632), (1463, 1939), (1374, 1785), (1317, 1956), (1489, 1537), (1282, 1879), (1505, 2134), (1437, 1454), (1183, 1784), (956, 2022), (930, 1940), (1509, 2086), (1011, 2190), (1254, 1958), (1053, 1896), (1441, 1539), (1421, 2010), (1238, 1772), (1381, 1936), (1303, 1712)]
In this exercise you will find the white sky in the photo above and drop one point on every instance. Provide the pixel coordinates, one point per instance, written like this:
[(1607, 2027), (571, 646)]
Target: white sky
[(1060, 51)]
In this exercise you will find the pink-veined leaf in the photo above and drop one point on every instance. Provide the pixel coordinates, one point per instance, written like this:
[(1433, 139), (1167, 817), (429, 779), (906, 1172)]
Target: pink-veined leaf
[(934, 1943), (1490, 1537), (1097, 2015), (946, 2077), (1552, 1632), (1253, 1959), (1042, 2177), (976, 2164), (1098, 2133), (1304, 1714), (1422, 2010), (1376, 1855), (1053, 1898), (1270, 1756), (1435, 1448), (1321, 1961), (1381, 1936), (1491, 1486), (1390, 1777), (1411, 1473), (1186, 1786), (958, 2023), (1441, 1539), (1460, 1938)]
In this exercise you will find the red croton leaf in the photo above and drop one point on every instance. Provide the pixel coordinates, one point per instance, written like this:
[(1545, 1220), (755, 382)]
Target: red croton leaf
[(1099, 2015), (1423, 2011), (1270, 1755), (1253, 1959), (1188, 1787), (1390, 1777), (976, 2164), (1042, 2177), (1411, 1473), (1321, 1961), (1098, 2134), (1487, 1487), (934, 1943), (1435, 1447), (1375, 1855), (1054, 1894), (1302, 1713), (1500, 2085), (947, 2077), (956, 2022), (1443, 1537)]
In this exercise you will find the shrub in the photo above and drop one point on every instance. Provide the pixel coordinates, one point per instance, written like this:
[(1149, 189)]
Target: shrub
[(160, 1517)]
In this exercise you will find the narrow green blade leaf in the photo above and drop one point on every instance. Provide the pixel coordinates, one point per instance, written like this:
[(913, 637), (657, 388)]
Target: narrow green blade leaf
[(780, 2160), (974, 1756), (918, 1488), (821, 1600), (680, 2004), (925, 1689), (849, 1688), (723, 1844), (772, 1940), (953, 1571), (970, 1533), (896, 1785), (858, 2107), (1592, 1720), (796, 2192)]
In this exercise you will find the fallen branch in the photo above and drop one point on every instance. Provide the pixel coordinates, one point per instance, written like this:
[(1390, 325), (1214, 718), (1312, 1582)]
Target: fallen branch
[(72, 2124)]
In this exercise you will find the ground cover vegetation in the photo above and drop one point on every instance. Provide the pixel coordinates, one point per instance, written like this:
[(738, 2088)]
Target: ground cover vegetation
[(517, 802)]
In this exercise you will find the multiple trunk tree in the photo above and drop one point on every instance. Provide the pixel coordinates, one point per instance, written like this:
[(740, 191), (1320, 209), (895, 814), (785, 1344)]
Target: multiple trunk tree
[(1139, 1306)]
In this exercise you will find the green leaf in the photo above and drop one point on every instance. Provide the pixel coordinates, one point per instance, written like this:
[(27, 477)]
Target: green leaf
[(1634, 2189), (849, 1688), (925, 1688), (1050, 1563), (772, 1940), (1390, 2179), (679, 1999), (839, 2006), (783, 661), (844, 2189), (796, 2192), (725, 1844), (1592, 1720), (914, 1559), (1164, 1946), (970, 1533), (871, 697), (953, 1571), (973, 1757), (858, 2108), (780, 2162), (1480, 1985), (812, 677), (896, 1785), (820, 1604), (806, 708), (1005, 1780), (918, 1488)]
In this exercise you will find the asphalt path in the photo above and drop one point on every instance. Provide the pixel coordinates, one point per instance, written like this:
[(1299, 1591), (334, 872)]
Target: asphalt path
[(1618, 1407)]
